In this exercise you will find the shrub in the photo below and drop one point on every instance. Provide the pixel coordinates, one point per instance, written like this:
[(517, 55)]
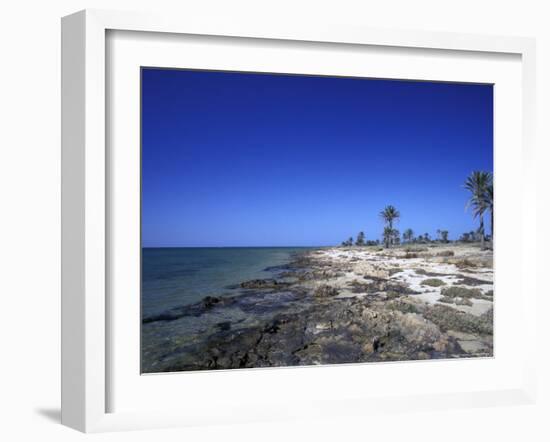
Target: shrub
[(448, 318), (416, 249), (433, 282), (447, 300), (464, 263), (461, 292), (446, 253)]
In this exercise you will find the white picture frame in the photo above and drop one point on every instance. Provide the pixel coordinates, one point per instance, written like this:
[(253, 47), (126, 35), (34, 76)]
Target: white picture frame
[(86, 315)]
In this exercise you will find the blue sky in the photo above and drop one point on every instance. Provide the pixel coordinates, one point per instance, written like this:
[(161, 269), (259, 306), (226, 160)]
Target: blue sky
[(241, 159)]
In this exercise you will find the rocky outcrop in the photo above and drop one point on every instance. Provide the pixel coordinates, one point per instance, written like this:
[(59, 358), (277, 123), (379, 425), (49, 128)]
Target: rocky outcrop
[(264, 284), (328, 309)]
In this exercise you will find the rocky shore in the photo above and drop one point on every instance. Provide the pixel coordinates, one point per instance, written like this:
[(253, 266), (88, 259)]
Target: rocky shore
[(336, 305)]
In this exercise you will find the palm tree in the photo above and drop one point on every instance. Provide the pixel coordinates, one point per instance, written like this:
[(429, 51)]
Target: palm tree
[(389, 214), (444, 235), (489, 204), (478, 184), (360, 241), (408, 235), (348, 242), (390, 235)]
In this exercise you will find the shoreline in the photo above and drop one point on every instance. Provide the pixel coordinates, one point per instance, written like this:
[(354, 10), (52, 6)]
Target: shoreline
[(332, 305)]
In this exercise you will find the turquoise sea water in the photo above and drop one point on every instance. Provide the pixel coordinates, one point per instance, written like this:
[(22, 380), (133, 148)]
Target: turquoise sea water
[(172, 277)]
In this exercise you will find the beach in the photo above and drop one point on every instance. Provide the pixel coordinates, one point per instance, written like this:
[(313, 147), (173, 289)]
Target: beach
[(334, 305)]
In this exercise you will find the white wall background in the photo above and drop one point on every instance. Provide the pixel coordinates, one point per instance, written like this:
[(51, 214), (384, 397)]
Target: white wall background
[(30, 214)]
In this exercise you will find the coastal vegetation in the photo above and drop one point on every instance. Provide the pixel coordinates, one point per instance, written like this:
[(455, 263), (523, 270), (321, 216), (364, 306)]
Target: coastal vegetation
[(443, 235), (408, 235), (480, 201), (480, 185), (360, 241), (433, 282), (389, 215)]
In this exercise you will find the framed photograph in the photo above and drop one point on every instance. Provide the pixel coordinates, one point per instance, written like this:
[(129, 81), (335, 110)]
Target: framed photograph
[(252, 211)]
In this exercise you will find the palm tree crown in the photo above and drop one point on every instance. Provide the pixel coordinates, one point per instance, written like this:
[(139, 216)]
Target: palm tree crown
[(480, 184), (489, 204), (389, 214)]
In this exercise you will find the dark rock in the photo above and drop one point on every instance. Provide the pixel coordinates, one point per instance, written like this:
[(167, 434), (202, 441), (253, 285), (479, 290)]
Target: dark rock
[(324, 291), (278, 268), (405, 306), (210, 301), (468, 280), (264, 284), (381, 285), (430, 274), (224, 326), (196, 309)]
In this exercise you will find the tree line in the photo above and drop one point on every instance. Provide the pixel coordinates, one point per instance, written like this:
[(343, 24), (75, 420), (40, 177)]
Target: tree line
[(480, 186)]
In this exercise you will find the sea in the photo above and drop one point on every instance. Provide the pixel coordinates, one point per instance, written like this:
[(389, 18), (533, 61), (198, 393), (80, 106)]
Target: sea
[(174, 276)]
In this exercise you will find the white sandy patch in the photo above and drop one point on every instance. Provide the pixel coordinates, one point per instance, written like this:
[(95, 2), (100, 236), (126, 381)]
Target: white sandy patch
[(365, 262), (484, 287), (426, 293), (472, 346), (429, 297)]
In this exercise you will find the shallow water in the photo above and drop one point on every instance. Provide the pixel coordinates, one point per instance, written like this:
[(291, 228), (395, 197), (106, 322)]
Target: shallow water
[(172, 277)]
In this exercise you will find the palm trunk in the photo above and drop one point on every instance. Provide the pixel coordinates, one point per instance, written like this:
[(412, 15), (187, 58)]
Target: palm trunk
[(482, 232), (492, 229)]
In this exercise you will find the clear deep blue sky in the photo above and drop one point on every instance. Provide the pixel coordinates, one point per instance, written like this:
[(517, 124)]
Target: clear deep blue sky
[(240, 159)]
